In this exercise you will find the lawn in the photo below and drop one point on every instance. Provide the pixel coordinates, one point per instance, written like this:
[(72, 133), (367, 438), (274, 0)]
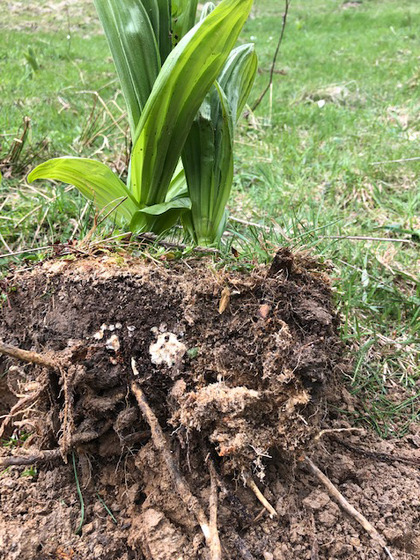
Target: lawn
[(328, 163)]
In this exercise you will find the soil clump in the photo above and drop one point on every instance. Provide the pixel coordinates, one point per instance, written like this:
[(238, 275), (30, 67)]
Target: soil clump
[(240, 370)]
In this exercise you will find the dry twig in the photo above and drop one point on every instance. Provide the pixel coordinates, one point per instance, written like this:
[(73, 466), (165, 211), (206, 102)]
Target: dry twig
[(251, 484), (347, 507), (273, 63), (181, 486)]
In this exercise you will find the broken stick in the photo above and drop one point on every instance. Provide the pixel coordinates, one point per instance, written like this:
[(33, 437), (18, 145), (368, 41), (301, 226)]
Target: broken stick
[(159, 441), (347, 507)]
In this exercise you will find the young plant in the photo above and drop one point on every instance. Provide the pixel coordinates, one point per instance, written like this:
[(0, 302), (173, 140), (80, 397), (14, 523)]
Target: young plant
[(168, 68)]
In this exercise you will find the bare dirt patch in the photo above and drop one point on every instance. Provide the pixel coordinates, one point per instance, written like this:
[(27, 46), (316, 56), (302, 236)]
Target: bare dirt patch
[(49, 15), (238, 369)]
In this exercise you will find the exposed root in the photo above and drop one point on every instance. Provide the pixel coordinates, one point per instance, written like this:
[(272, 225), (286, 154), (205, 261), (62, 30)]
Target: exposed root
[(67, 414), (52, 454), (24, 403), (251, 484), (326, 432), (347, 507), (40, 457), (216, 552), (379, 456), (314, 546), (182, 488), (45, 360)]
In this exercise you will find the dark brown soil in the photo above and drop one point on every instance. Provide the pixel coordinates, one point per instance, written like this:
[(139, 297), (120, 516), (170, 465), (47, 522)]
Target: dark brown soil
[(239, 369)]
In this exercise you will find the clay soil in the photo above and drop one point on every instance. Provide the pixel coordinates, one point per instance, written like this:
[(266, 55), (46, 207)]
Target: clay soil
[(242, 371)]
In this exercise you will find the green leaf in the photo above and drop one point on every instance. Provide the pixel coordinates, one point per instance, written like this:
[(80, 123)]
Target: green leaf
[(237, 77), (159, 12), (159, 217), (184, 80), (94, 180), (183, 203), (208, 162), (208, 151), (206, 10), (134, 49), (183, 18), (178, 187)]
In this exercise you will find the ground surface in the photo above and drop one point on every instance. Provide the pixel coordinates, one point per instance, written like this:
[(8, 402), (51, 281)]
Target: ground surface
[(244, 375)]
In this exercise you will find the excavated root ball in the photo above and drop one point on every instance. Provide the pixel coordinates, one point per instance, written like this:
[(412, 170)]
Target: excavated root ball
[(238, 360)]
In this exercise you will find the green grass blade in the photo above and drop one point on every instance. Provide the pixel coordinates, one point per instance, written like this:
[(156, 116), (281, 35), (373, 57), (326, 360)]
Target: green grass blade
[(94, 180), (179, 90), (134, 48)]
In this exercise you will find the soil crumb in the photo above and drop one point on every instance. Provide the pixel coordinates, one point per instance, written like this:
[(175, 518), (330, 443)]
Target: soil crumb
[(238, 368)]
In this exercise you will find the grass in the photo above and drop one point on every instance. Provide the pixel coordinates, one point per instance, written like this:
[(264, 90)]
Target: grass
[(306, 165)]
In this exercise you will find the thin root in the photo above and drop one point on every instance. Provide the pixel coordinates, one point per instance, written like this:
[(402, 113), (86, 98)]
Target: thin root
[(379, 456), (216, 552), (181, 486), (251, 484), (23, 404), (335, 431), (347, 507), (52, 454)]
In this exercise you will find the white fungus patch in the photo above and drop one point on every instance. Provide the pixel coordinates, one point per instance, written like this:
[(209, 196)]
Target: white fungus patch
[(167, 349), (113, 343), (100, 334)]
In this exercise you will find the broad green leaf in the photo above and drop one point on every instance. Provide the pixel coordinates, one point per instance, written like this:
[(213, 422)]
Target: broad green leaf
[(237, 77), (134, 49), (94, 180), (160, 217), (178, 186), (183, 203), (165, 29), (159, 12), (185, 79), (183, 18), (208, 162)]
